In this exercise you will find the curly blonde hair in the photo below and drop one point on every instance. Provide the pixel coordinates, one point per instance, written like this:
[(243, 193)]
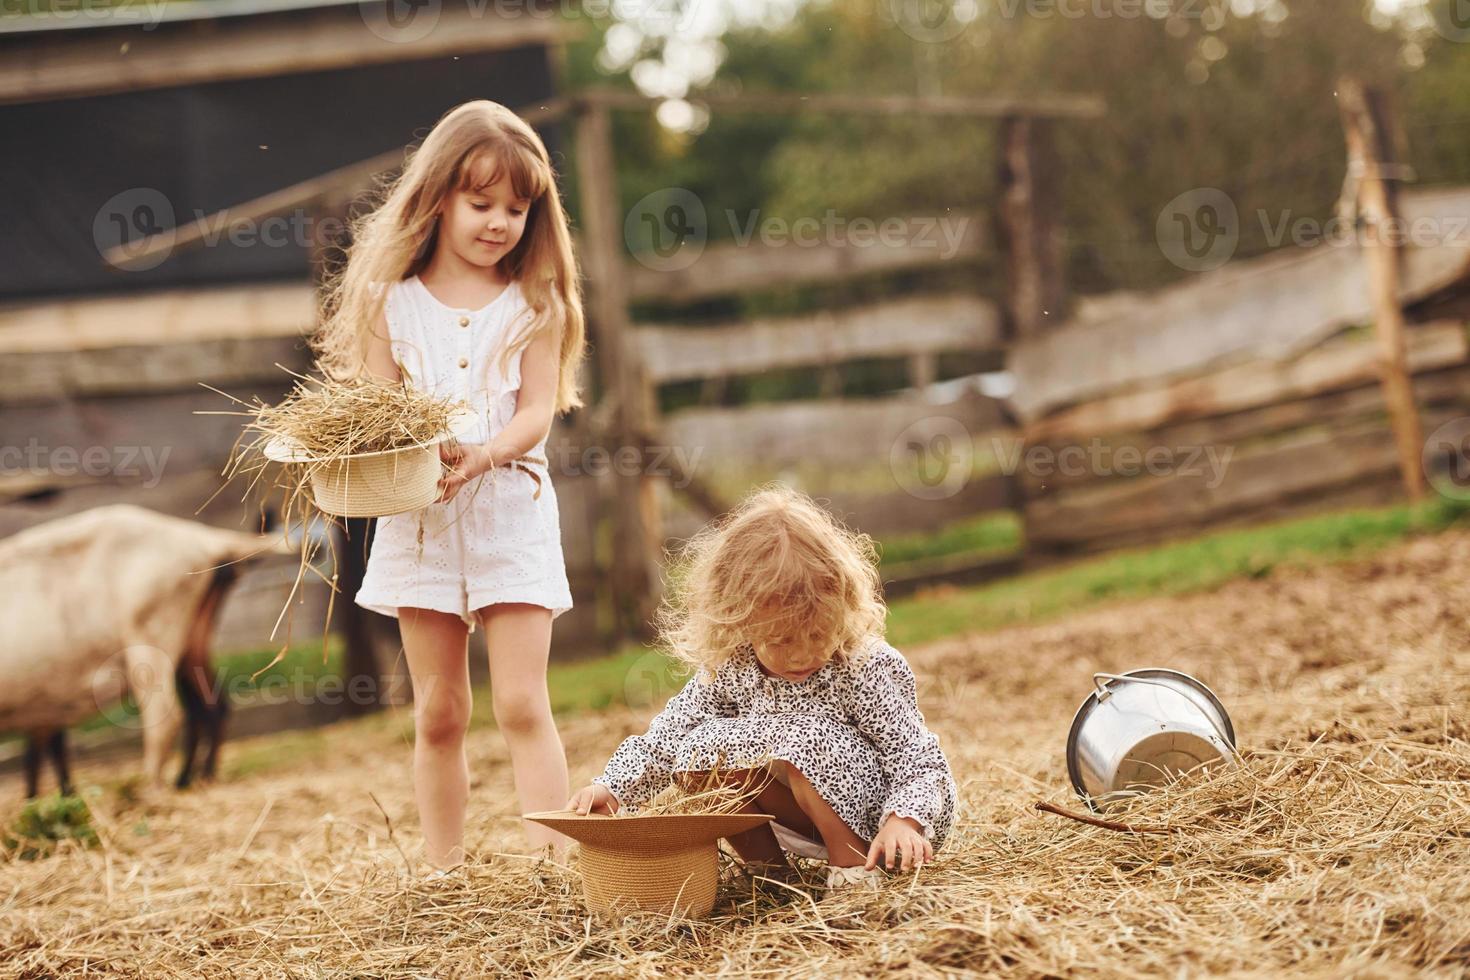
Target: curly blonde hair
[(777, 550)]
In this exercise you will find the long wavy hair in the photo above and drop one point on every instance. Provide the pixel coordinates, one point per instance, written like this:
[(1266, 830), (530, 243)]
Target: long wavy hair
[(778, 550), (396, 239)]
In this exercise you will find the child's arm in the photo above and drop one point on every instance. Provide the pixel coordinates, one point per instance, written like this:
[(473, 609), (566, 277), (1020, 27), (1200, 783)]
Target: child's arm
[(644, 764), (886, 709)]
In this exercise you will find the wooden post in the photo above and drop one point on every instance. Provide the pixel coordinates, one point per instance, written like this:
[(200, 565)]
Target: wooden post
[(1027, 226), (1370, 148), (637, 530)]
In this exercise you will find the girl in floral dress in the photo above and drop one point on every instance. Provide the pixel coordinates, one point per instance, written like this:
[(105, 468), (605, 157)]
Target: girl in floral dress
[(797, 697)]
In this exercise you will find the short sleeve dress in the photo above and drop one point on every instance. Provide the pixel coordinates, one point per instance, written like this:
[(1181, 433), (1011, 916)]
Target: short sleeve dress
[(853, 728), (499, 539)]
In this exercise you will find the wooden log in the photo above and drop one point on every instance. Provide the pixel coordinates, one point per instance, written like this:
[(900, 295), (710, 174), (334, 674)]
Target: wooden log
[(1370, 151), (841, 433), (46, 376), (1058, 106), (190, 48), (1272, 307), (1341, 363), (1305, 466), (731, 268), (1235, 432), (880, 512), (892, 328), (638, 540), (162, 316), (1026, 220)]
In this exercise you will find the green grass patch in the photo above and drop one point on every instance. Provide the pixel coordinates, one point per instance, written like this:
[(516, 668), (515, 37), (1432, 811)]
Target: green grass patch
[(47, 822), (996, 532), (1171, 569)]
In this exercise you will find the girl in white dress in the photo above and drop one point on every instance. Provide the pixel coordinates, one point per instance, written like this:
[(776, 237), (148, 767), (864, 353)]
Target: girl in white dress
[(463, 283), (797, 697)]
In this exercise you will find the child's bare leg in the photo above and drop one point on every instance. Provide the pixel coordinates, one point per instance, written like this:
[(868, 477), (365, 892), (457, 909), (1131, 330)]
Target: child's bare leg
[(758, 846), (845, 849), (435, 646), (519, 637)]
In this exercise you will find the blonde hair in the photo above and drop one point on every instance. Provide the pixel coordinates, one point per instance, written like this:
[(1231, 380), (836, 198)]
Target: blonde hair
[(396, 239), (778, 546)]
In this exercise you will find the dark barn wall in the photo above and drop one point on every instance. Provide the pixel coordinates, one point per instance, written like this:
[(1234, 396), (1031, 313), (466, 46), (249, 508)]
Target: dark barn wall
[(198, 149)]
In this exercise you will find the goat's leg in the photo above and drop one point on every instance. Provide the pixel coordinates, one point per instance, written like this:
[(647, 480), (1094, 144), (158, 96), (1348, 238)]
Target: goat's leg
[(194, 721), (219, 713), (33, 764), (151, 680), (204, 702), (59, 760)]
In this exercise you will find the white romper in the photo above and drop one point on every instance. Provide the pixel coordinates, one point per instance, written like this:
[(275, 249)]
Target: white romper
[(499, 538)]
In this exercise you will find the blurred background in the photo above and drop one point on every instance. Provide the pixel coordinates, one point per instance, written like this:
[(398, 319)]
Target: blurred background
[(1006, 284)]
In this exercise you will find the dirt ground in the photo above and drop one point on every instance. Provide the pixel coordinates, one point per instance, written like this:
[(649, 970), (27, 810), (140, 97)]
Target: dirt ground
[(1338, 849)]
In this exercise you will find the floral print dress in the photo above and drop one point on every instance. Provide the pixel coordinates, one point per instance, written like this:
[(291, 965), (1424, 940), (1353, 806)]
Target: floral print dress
[(853, 728)]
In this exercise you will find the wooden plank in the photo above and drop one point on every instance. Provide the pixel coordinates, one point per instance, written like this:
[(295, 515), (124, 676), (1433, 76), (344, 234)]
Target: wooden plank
[(165, 316), (879, 513), (1304, 466), (1232, 433), (891, 328), (1059, 106), (46, 376), (1340, 363), (62, 65), (1272, 307), (836, 433), (730, 268)]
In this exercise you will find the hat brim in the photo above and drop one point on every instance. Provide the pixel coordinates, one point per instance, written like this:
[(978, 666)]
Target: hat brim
[(645, 833)]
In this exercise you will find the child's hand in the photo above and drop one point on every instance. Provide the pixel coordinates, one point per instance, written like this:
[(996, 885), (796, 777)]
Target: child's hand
[(464, 462), (595, 798), (900, 838)]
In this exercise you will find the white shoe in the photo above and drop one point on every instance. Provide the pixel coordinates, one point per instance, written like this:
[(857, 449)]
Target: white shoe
[(856, 878)]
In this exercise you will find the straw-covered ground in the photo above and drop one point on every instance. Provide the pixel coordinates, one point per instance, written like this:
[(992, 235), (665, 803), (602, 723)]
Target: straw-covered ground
[(1338, 849)]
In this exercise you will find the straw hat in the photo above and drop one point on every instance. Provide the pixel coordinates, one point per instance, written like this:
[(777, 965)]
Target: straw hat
[(660, 863), (391, 481)]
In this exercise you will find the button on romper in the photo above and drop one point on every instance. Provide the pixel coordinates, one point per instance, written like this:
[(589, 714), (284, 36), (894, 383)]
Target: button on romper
[(499, 539)]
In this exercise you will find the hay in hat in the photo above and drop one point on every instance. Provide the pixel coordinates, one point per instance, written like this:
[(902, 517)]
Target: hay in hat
[(663, 858), (1341, 848), (343, 443)]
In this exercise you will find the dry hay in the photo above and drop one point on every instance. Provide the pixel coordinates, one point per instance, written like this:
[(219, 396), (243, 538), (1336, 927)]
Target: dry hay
[(330, 421), (1338, 849)]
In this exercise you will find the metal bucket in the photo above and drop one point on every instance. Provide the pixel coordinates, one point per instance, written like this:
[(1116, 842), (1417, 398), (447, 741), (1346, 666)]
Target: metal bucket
[(1138, 730)]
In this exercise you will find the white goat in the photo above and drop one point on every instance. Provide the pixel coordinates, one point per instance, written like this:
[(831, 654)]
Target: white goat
[(118, 599)]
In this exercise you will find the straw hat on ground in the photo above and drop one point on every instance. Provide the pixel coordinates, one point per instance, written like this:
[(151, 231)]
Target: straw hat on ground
[(662, 863)]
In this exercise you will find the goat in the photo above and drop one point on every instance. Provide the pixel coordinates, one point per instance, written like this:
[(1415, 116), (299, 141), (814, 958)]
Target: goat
[(114, 600)]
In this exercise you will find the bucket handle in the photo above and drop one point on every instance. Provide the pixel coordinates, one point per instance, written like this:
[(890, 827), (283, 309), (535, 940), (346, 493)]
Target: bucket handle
[(1103, 694)]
